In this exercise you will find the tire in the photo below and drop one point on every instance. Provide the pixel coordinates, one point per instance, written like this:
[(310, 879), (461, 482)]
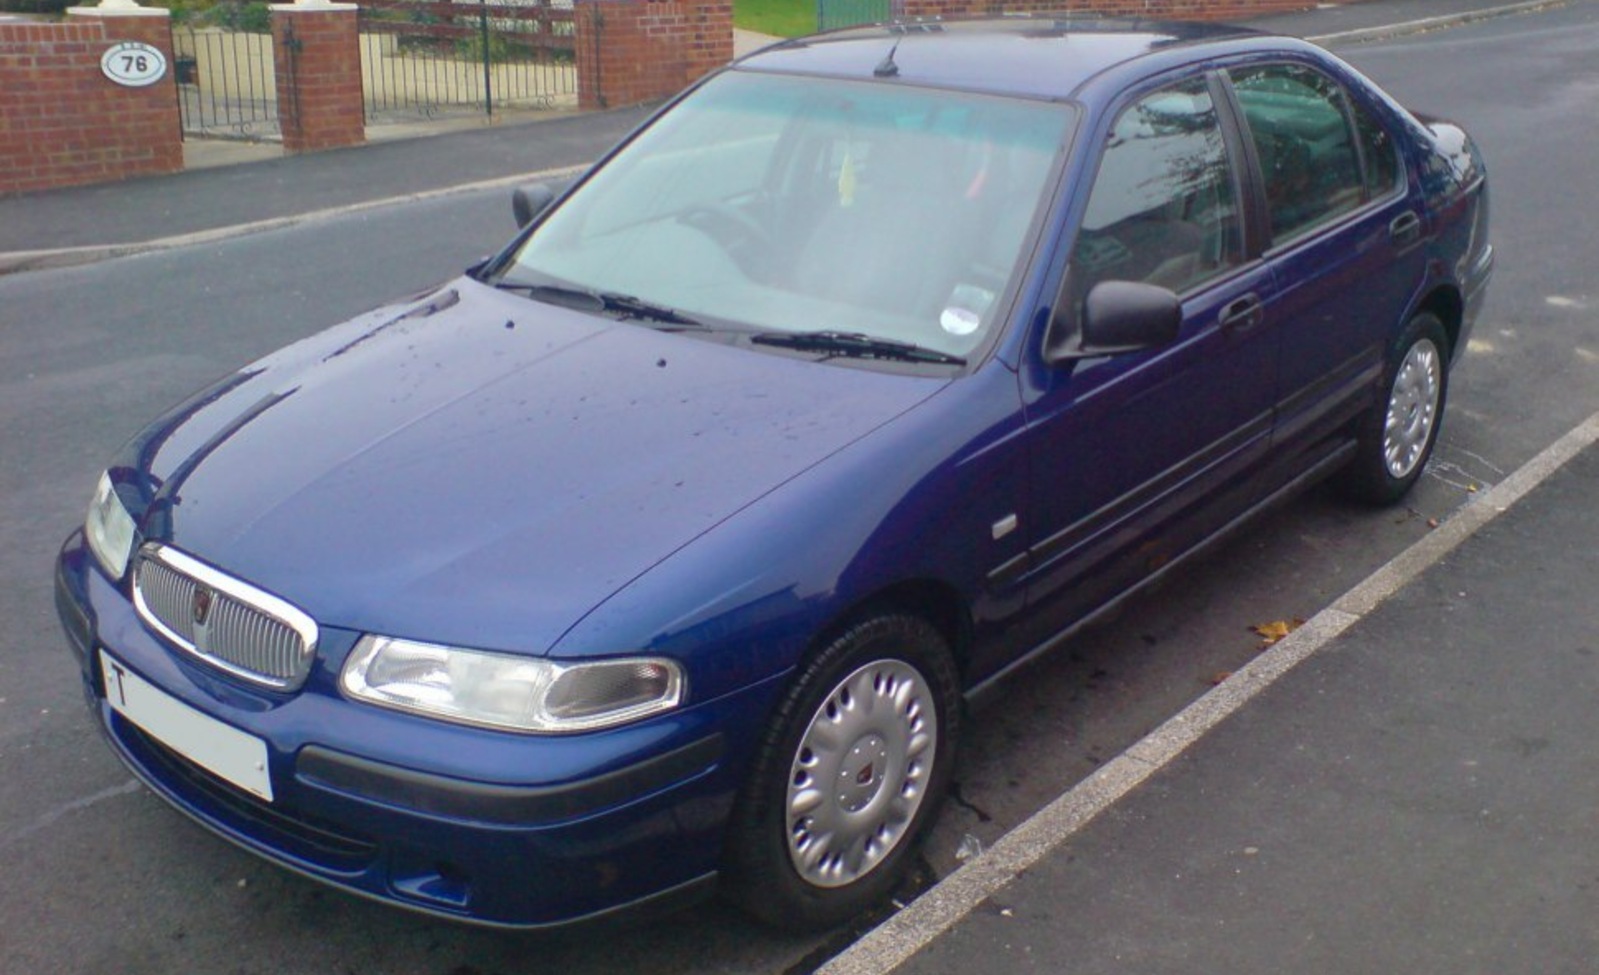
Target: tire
[(1396, 436), (801, 858)]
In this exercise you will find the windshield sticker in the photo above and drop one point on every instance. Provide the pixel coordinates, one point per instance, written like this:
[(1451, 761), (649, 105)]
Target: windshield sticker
[(963, 313)]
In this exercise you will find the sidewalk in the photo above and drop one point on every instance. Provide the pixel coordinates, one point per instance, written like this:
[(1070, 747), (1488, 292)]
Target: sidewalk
[(82, 224), (1420, 795)]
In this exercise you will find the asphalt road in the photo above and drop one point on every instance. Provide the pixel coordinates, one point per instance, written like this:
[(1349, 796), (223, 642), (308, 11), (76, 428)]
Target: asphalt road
[(102, 877)]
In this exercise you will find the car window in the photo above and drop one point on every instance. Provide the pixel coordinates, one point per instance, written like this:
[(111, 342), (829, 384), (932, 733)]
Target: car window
[(1308, 160), (796, 204), (1162, 209), (1379, 152)]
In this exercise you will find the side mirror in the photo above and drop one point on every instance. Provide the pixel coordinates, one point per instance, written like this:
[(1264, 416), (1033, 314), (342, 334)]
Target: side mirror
[(1119, 317), (527, 202)]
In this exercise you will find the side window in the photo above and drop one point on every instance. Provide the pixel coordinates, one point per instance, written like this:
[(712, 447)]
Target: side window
[(1162, 208), (1377, 148), (1302, 138)]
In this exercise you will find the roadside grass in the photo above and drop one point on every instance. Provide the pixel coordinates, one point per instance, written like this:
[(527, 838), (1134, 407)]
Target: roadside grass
[(781, 18)]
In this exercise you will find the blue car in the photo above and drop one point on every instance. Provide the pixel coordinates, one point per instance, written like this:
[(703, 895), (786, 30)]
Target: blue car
[(659, 552)]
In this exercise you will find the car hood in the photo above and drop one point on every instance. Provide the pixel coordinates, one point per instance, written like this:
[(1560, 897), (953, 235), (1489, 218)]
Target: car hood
[(477, 469)]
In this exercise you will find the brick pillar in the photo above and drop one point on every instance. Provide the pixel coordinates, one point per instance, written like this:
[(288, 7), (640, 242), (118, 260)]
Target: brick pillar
[(709, 42), (318, 67), (143, 123), (632, 51)]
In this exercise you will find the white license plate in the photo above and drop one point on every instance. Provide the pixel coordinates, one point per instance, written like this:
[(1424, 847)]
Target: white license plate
[(219, 748)]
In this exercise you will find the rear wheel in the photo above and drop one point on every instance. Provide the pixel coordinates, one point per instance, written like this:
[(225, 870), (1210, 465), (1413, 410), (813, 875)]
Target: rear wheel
[(1398, 433), (849, 774)]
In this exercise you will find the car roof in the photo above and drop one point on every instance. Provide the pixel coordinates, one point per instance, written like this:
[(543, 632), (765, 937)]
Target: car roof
[(1043, 57)]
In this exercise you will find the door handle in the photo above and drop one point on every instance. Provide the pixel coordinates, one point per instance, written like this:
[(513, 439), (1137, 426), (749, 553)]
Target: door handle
[(1405, 228), (1242, 314)]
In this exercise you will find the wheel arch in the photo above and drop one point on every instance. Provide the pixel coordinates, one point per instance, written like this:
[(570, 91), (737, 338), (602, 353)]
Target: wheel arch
[(933, 600), (1446, 303)]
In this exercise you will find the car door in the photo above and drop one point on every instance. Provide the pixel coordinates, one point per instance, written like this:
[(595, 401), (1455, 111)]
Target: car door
[(1135, 456), (1344, 246)]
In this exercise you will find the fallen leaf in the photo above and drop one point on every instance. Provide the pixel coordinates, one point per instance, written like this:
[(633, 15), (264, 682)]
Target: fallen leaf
[(1218, 677), (1471, 489), (1432, 522), (1270, 633)]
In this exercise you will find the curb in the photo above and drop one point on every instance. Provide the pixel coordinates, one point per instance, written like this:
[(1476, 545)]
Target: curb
[(949, 901), (38, 260), (1363, 34)]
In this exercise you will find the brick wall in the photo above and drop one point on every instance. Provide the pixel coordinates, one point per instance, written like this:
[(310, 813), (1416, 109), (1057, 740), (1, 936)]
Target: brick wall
[(63, 122), (632, 51), (318, 68)]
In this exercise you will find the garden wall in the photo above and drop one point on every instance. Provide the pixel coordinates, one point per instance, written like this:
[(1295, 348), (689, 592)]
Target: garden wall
[(632, 51), (63, 122)]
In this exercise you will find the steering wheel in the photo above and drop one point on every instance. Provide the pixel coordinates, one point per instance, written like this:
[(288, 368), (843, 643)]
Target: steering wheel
[(729, 226)]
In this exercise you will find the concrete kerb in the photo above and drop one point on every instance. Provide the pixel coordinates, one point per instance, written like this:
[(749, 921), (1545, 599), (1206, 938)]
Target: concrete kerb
[(949, 901), (39, 260), (17, 261), (1364, 34)]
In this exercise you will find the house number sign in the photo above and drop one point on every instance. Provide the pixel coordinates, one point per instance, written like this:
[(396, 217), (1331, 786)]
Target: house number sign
[(133, 65)]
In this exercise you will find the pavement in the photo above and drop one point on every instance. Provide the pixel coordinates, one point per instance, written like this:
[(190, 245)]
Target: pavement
[(1277, 824), (1406, 783)]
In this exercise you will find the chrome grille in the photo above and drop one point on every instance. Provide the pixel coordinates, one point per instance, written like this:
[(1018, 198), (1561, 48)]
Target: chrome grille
[(229, 624)]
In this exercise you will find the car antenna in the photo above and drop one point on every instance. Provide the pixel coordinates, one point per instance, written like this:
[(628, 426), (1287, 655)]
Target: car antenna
[(886, 68)]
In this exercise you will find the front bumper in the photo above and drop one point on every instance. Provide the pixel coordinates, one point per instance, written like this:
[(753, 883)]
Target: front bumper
[(476, 825)]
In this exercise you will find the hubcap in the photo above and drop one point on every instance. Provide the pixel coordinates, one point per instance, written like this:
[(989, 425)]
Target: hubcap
[(860, 773), (1412, 408)]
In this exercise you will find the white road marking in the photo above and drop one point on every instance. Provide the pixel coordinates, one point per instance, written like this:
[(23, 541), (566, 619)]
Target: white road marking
[(49, 819), (944, 905)]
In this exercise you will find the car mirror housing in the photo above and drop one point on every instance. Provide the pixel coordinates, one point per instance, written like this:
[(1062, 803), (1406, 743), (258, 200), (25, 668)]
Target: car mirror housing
[(1118, 317), (527, 202)]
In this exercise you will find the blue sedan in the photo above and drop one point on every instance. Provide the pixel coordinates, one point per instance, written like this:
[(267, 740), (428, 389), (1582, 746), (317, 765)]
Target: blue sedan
[(658, 552)]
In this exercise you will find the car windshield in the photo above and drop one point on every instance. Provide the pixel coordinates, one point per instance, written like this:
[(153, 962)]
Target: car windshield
[(784, 204)]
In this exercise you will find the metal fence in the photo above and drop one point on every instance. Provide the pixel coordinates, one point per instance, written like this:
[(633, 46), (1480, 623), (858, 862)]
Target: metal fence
[(419, 59), (422, 58), (226, 83)]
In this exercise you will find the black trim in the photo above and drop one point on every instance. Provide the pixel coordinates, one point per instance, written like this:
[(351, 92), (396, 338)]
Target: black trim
[(323, 845), (1352, 382), (1336, 456), (440, 795), (1152, 491), (1254, 225), (1009, 571), (74, 618)]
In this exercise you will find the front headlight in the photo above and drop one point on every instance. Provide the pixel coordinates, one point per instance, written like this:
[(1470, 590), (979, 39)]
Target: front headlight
[(501, 690), (109, 528)]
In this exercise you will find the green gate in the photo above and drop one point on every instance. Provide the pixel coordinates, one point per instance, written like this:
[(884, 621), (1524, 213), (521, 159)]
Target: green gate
[(849, 13)]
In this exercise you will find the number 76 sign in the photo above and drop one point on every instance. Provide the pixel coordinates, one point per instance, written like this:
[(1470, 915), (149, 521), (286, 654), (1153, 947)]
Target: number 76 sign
[(133, 64)]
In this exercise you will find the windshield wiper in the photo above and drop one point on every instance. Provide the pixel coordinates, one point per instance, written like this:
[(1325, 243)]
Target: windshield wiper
[(856, 345), (627, 306)]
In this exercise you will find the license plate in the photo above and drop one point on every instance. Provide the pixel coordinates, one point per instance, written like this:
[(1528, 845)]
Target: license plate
[(219, 748)]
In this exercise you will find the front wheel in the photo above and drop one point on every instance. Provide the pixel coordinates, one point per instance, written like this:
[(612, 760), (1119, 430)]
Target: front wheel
[(1398, 433), (848, 775)]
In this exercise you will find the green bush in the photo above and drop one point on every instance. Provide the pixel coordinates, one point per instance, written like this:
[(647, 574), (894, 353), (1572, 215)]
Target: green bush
[(249, 17), (39, 7), (252, 17), (500, 49)]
